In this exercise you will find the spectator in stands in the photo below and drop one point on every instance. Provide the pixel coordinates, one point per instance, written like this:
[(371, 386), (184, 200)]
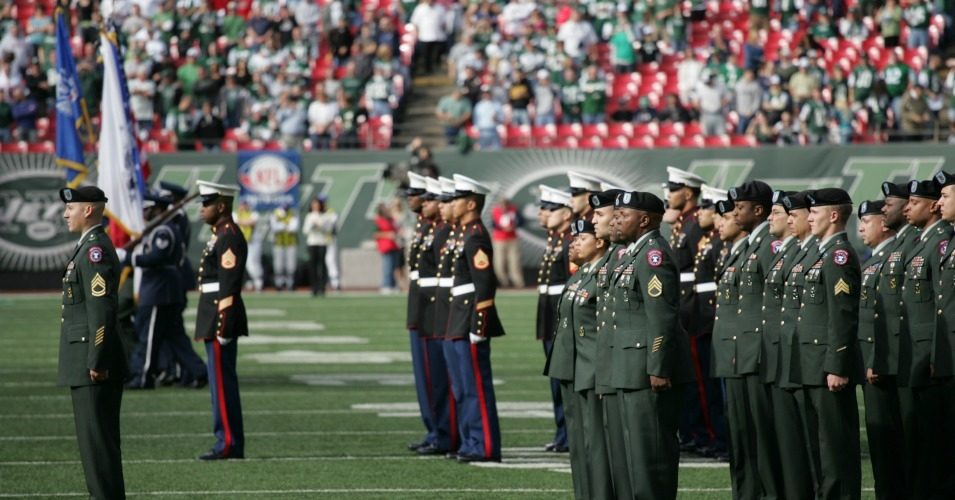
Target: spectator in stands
[(350, 118), (814, 118), (749, 97), (233, 102), (861, 82), (454, 111), (430, 20), (471, 80), (594, 89), (6, 119), (917, 16), (802, 83), (673, 111), (761, 130), (688, 74), (710, 100), (142, 93), (290, 121), (321, 119), (487, 116), (462, 55), (786, 130), (645, 112), (545, 99), (380, 94), (207, 86), (622, 42), (821, 31), (38, 85), (890, 23), (895, 74), (520, 95), (753, 52), (852, 28), (844, 117), (507, 248), (776, 101), (24, 110), (758, 15), (340, 40), (577, 36), (571, 97), (916, 118), (209, 130), (674, 28)]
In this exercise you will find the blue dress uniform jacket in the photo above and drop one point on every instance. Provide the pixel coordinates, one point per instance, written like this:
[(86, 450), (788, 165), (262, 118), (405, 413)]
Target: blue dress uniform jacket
[(426, 264), (684, 241), (704, 269), (422, 227), (161, 282), (221, 313), (551, 278), (188, 275), (445, 241), (89, 332), (472, 296)]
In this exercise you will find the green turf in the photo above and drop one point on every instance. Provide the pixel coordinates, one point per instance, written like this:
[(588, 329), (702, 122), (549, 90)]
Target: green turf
[(303, 441)]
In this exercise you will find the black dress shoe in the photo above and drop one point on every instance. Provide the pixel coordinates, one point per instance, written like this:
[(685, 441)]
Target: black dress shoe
[(415, 446), (218, 455), (430, 449), (474, 458), (198, 383), (556, 448), (451, 455)]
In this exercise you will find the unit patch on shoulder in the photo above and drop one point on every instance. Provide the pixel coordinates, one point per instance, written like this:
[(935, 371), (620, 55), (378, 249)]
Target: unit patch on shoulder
[(776, 245), (95, 254), (655, 287), (840, 257), (655, 258), (481, 260), (98, 286), (228, 259), (943, 247)]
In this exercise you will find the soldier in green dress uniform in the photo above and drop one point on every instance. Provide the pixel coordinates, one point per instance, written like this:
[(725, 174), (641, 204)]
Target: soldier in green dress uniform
[(603, 204), (883, 419), (92, 362), (650, 362), (828, 350), (919, 403), (943, 349)]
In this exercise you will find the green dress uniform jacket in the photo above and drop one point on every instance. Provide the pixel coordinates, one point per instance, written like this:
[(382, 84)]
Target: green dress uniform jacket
[(918, 297), (89, 330), (752, 278), (727, 299), (891, 278), (943, 349), (873, 331), (773, 293), (561, 360), (584, 326), (789, 368)]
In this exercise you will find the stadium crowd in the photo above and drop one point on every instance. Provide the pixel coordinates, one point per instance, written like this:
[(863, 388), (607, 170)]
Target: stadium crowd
[(600, 73)]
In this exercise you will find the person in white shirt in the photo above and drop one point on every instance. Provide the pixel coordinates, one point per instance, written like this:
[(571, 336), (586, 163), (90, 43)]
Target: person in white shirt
[(142, 90), (321, 118), (430, 20), (284, 224), (578, 35), (319, 231)]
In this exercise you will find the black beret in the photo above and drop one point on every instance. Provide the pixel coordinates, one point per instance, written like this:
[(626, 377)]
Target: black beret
[(943, 178), (639, 200), (86, 194), (779, 196), (581, 226), (871, 207), (891, 189), (156, 199), (826, 197), (174, 189), (924, 189), (724, 207), (796, 201), (604, 198), (757, 191)]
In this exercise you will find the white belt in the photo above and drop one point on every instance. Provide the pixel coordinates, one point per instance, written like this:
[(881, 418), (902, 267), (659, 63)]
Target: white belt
[(705, 287), (542, 289), (687, 277), (413, 275), (427, 282), (462, 289), (446, 282), (551, 290), (209, 287)]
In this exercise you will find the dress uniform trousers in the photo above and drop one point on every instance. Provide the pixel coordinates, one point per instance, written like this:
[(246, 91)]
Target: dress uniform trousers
[(419, 367), (650, 439), (226, 406), (831, 425), (456, 381), (96, 411), (160, 328), (614, 440), (433, 390), (596, 457), (745, 400), (883, 422), (793, 456), (574, 423), (477, 406), (560, 435)]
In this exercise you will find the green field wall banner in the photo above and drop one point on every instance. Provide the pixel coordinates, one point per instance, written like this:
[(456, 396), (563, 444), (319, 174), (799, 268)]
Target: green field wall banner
[(33, 237)]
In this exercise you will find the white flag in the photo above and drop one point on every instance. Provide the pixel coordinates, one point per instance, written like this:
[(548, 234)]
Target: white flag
[(119, 173)]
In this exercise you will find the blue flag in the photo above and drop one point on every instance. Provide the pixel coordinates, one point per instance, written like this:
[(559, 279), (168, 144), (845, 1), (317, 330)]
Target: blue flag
[(69, 107)]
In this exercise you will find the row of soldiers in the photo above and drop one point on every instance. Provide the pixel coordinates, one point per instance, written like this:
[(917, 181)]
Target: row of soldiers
[(769, 280)]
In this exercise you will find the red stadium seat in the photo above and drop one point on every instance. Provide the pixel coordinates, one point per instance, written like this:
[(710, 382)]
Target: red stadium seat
[(718, 141), (693, 141), (594, 130), (673, 128), (42, 147), (642, 142), (616, 142), (616, 129), (517, 136), (666, 141), (570, 130), (743, 140), (651, 130), (544, 136)]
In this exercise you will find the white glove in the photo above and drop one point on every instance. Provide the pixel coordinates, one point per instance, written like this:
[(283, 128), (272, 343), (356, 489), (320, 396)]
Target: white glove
[(121, 254), (223, 340), (476, 339)]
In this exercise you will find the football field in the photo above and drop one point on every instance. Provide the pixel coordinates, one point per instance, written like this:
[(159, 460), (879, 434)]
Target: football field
[(329, 406)]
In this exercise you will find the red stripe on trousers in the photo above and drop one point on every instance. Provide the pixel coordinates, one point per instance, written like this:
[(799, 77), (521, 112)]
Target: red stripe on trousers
[(704, 404), (481, 401), (453, 416), (427, 373), (223, 414)]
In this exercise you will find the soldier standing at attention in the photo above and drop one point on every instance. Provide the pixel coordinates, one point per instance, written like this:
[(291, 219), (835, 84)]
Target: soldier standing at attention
[(709, 390), (608, 423), (922, 266), (581, 187), (828, 350), (786, 247), (554, 272), (445, 243), (883, 419), (221, 318), (943, 349), (472, 322), (92, 363), (650, 363)]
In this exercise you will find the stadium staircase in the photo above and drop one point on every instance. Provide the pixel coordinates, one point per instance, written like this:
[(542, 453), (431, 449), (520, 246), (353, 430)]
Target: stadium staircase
[(418, 119)]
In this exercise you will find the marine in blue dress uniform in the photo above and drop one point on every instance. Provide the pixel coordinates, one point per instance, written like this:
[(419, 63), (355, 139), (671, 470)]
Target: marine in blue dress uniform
[(158, 318), (92, 363), (472, 323), (221, 318)]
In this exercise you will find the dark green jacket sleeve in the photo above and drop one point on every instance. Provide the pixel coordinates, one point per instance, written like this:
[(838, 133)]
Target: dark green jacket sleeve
[(659, 283), (843, 284), (99, 278)]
